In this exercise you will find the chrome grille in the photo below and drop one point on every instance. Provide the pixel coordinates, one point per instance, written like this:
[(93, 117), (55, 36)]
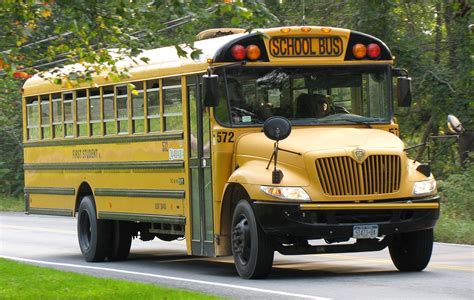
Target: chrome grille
[(343, 176)]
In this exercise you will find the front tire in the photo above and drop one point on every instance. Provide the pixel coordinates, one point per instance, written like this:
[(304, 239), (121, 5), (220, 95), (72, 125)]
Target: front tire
[(93, 234), (251, 248), (411, 251)]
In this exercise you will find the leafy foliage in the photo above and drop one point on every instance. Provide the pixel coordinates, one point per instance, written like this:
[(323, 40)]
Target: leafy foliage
[(458, 194)]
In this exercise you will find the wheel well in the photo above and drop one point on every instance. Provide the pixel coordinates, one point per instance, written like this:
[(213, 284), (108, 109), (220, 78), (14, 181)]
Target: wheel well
[(84, 190), (233, 194)]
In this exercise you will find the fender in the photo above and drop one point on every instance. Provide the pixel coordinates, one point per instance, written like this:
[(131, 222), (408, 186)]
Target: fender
[(253, 173)]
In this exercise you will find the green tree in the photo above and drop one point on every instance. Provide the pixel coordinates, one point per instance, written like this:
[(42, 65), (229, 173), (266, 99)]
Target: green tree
[(44, 35)]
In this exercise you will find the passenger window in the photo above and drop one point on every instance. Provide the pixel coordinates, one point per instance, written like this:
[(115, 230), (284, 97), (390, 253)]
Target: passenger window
[(68, 114), (57, 116), (153, 105), (81, 113), (122, 108), (109, 110), (137, 96), (32, 118), (45, 117), (94, 110), (172, 108)]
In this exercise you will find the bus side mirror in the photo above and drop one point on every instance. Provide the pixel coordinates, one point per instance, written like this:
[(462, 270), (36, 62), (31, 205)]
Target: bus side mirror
[(210, 90), (404, 91)]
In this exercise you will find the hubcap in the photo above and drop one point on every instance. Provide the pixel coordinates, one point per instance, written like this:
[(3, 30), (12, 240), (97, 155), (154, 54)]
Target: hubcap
[(241, 240)]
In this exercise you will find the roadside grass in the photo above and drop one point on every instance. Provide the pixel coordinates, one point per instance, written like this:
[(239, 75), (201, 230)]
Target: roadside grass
[(11, 204), (456, 224), (458, 231), (23, 281)]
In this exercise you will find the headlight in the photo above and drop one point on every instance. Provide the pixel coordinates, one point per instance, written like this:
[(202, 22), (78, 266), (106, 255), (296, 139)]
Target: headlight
[(424, 187), (286, 193)]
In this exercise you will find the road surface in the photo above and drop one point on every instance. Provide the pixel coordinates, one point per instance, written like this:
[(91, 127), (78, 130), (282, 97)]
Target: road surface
[(52, 242)]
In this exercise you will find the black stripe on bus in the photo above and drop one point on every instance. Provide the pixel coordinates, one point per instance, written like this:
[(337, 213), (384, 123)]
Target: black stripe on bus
[(179, 220), (105, 140), (173, 194), (178, 164), (50, 191), (51, 211)]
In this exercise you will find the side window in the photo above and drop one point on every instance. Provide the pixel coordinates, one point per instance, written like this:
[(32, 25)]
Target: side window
[(68, 114), (109, 109), (137, 96), (81, 113), (94, 110), (45, 117), (57, 116), (172, 108), (32, 118), (222, 110), (153, 105), (122, 108)]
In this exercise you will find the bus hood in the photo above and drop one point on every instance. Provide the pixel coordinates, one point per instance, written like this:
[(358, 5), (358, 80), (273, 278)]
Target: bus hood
[(325, 141)]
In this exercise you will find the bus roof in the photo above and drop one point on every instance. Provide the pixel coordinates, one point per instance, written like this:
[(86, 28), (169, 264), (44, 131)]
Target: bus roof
[(296, 45)]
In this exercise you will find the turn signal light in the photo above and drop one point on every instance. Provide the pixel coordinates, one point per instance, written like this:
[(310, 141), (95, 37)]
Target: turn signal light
[(253, 52), (373, 50), (238, 52), (359, 51)]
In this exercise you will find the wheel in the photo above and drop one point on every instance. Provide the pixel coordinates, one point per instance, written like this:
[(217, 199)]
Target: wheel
[(411, 251), (121, 240), (93, 234), (251, 248)]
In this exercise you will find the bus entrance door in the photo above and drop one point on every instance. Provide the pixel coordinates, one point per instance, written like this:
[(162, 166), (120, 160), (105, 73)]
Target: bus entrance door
[(200, 172)]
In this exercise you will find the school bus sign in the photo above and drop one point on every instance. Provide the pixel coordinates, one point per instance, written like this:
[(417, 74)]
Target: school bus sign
[(306, 46)]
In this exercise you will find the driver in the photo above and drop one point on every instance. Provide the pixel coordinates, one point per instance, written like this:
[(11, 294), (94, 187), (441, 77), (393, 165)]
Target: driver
[(322, 105)]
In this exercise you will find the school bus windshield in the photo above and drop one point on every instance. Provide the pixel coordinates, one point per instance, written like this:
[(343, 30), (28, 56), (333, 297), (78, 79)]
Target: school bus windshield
[(309, 95)]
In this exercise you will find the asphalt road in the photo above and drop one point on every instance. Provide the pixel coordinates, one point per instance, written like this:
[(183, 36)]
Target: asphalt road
[(51, 241)]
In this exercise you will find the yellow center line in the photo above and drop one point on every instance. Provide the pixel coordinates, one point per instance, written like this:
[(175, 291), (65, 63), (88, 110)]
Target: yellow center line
[(451, 267)]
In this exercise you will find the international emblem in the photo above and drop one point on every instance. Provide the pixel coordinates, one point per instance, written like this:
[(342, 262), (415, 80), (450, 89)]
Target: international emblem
[(359, 154)]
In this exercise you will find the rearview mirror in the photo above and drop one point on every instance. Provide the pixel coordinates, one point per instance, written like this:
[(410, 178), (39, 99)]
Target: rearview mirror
[(210, 83), (454, 125), (404, 91)]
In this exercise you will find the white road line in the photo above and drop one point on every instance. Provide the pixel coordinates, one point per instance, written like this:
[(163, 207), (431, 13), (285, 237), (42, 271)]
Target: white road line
[(29, 228), (167, 277)]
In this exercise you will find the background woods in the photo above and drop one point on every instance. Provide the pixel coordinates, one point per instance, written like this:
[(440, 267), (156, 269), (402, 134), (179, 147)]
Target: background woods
[(432, 39)]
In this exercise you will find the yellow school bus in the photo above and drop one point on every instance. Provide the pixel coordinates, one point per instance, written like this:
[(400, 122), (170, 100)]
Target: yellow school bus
[(279, 139)]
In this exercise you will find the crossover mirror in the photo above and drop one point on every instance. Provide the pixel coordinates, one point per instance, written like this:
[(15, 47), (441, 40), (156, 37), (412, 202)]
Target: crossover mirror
[(454, 125), (277, 128)]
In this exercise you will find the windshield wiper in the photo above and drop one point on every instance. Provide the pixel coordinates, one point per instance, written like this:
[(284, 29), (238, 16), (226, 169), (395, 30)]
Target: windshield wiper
[(359, 122), (347, 120)]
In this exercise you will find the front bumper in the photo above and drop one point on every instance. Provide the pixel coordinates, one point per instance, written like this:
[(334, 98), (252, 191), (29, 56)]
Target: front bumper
[(288, 220)]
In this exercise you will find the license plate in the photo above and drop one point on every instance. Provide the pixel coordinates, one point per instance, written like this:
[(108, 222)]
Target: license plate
[(365, 231)]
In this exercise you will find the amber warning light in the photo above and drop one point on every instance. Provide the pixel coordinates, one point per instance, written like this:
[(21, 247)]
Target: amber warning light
[(251, 52)]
